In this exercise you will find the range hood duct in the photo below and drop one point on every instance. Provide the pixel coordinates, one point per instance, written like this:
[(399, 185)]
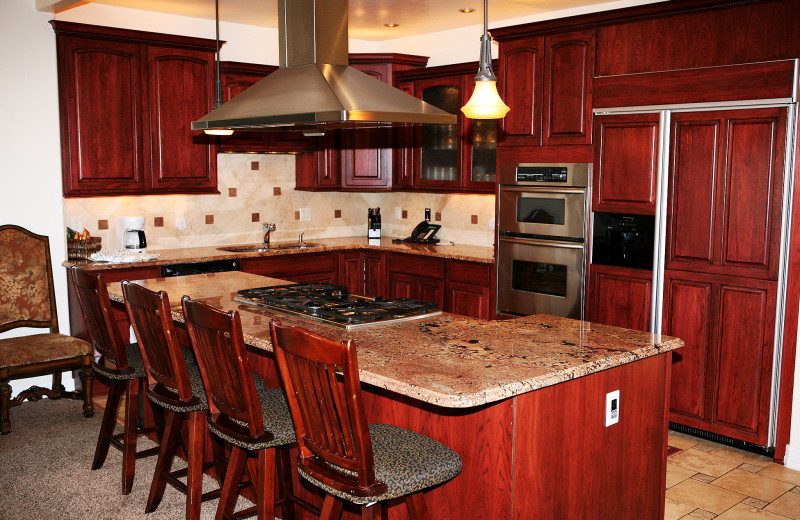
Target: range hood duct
[(314, 89)]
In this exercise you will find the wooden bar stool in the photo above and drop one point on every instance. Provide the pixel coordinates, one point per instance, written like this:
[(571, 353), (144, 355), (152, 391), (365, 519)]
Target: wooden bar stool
[(339, 453), (253, 419), (175, 385), (119, 363)]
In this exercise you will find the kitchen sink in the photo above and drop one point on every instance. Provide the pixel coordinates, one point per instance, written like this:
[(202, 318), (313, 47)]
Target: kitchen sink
[(251, 248)]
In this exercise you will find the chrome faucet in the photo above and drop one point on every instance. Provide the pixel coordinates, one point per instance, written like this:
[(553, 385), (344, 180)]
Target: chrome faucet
[(268, 228), (300, 239)]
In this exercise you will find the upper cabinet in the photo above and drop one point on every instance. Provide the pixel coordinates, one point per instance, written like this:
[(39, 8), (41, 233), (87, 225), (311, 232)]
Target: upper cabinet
[(127, 99), (237, 77), (547, 83)]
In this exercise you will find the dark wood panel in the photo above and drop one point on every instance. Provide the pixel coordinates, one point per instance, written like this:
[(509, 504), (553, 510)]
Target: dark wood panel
[(744, 358), (415, 264), (567, 97), (770, 80), (620, 296), (688, 315), (293, 266), (625, 164), (468, 299), (400, 285), (692, 186), (351, 271), (568, 464), (375, 274), (429, 289), (523, 61), (469, 272)]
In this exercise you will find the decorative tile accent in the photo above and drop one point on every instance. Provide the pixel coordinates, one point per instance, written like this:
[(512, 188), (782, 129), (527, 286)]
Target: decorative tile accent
[(209, 219), (276, 191), (703, 514), (405, 213), (754, 502), (255, 217), (795, 489), (297, 215), (752, 468), (702, 477), (231, 192), (437, 216), (337, 213), (253, 165), (474, 219), (102, 224), (158, 221)]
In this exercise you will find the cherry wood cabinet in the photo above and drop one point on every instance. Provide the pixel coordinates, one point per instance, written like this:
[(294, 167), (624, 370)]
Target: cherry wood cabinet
[(412, 276), (304, 267), (547, 84), (375, 274), (468, 289), (725, 193), (721, 378), (620, 296), (126, 100), (625, 163), (237, 77)]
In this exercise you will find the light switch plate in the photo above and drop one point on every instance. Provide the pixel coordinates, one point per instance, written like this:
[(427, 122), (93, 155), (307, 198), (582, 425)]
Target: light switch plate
[(612, 408), (305, 214)]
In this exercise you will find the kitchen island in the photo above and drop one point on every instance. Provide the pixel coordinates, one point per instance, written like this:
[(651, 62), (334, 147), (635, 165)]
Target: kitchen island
[(522, 401)]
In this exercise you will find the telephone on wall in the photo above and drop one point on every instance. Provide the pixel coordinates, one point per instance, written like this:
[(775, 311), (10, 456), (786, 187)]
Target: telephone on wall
[(424, 233)]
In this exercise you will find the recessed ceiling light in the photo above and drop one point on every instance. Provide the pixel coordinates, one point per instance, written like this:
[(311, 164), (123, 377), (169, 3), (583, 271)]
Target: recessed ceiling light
[(391, 25), (466, 10)]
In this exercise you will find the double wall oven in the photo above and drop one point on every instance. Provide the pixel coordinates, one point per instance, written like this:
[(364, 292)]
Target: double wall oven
[(541, 226)]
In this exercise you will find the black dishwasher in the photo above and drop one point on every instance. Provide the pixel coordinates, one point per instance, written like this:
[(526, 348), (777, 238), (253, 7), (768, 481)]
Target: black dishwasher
[(209, 266)]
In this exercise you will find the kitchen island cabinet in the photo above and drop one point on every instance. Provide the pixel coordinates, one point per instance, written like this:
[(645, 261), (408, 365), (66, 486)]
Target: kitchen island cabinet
[(522, 401)]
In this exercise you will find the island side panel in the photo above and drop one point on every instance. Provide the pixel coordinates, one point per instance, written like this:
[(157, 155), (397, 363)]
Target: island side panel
[(568, 464)]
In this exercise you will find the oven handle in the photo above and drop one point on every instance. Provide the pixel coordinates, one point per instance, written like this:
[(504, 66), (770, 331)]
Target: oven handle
[(542, 189), (539, 242)]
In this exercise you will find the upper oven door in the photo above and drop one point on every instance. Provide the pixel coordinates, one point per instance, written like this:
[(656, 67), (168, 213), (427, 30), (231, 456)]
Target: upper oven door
[(554, 212)]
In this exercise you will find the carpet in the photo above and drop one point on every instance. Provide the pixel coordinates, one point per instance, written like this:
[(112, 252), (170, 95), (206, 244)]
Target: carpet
[(45, 471)]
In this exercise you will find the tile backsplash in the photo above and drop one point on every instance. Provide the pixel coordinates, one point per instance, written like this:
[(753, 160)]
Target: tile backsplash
[(250, 197)]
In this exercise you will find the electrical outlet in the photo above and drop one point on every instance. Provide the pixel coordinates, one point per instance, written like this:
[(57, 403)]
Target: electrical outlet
[(398, 212), (612, 408), (305, 214), (180, 221)]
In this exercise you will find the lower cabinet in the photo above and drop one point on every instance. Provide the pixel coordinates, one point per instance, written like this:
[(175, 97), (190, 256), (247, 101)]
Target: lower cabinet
[(412, 276), (305, 267), (721, 377), (468, 289), (620, 296)]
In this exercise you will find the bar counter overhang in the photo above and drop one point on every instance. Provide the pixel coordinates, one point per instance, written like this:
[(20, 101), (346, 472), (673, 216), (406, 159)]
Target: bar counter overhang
[(522, 401)]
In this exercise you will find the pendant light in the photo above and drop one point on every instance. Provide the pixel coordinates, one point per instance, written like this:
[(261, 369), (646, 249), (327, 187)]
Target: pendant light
[(217, 81), (485, 102)]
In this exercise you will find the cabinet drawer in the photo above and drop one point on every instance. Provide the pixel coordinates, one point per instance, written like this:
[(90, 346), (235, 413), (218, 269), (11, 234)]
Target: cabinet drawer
[(469, 272), (417, 265)]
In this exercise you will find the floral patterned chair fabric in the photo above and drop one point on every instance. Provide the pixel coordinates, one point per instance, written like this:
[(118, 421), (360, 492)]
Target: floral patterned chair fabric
[(27, 299)]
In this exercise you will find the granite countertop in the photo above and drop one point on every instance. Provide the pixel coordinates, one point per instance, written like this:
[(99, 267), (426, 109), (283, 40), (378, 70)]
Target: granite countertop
[(448, 360), (200, 254)]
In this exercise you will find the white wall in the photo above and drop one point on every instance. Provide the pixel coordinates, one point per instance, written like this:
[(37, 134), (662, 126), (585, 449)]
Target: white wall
[(30, 163)]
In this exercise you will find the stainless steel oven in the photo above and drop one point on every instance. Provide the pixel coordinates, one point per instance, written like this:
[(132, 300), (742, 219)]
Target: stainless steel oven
[(541, 227)]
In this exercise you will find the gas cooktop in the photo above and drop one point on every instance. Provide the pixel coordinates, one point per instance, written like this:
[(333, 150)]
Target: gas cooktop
[(335, 305)]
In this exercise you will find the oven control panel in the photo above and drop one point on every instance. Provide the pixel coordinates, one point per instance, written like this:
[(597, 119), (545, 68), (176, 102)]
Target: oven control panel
[(542, 174), (571, 175)]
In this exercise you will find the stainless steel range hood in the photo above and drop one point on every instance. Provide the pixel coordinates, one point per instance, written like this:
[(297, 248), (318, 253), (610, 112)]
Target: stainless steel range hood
[(314, 89)]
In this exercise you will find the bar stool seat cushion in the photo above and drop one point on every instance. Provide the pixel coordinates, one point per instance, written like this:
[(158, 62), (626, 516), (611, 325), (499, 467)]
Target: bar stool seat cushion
[(406, 461), (40, 348), (196, 382), (134, 362), (277, 419)]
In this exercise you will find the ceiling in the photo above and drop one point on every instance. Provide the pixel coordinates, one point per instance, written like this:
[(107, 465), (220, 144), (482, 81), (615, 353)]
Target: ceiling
[(366, 17)]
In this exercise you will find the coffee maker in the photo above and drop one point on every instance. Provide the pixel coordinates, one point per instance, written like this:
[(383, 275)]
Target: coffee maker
[(374, 224), (131, 233)]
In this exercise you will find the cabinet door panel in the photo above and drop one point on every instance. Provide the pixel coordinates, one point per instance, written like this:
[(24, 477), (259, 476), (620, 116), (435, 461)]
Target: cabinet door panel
[(692, 185), (620, 297), (744, 358), (366, 158), (429, 289), (180, 92), (400, 285), (375, 267), (688, 315), (522, 68), (625, 163), (468, 299), (569, 69), (753, 188), (351, 271), (234, 84), (101, 87)]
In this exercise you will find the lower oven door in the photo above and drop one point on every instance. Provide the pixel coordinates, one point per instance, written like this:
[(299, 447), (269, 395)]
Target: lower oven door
[(540, 277)]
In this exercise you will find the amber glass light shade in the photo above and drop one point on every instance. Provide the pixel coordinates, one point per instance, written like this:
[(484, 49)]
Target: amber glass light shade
[(485, 102)]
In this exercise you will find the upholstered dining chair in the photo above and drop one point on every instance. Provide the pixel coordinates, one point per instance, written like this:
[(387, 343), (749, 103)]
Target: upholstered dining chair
[(253, 419), (120, 364), (27, 299), (340, 453), (174, 384)]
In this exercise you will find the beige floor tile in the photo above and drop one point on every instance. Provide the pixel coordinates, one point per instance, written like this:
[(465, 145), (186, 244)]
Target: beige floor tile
[(677, 474), (753, 484), (783, 473), (787, 505), (741, 457), (681, 440), (704, 462), (744, 512), (674, 510), (705, 496)]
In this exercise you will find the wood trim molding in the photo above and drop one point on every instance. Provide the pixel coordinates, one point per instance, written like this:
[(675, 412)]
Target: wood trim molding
[(151, 38)]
